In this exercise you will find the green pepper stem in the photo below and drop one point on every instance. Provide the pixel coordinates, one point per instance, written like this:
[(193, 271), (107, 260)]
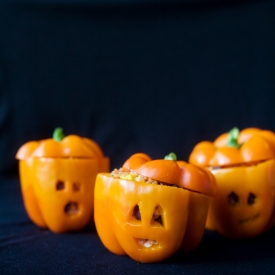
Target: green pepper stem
[(58, 134), (232, 139), (171, 156)]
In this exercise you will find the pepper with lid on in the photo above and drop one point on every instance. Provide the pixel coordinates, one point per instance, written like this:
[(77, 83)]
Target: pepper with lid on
[(243, 163), (150, 209), (57, 177)]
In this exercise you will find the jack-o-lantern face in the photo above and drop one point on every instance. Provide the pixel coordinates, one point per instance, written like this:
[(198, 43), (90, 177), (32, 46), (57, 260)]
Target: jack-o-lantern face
[(64, 191), (245, 200), (243, 165), (148, 223), (57, 181), (149, 219)]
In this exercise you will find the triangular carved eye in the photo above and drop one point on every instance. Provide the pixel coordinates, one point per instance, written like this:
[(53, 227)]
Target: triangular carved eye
[(251, 199), (136, 213), (233, 198), (157, 215)]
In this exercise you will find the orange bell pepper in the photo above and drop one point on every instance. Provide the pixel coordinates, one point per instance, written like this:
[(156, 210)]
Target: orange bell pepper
[(243, 164), (144, 209), (57, 178)]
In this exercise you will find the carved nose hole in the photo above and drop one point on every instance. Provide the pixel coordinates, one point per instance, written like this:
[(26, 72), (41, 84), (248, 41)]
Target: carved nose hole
[(233, 198), (157, 216), (60, 185), (136, 213), (71, 208), (251, 199), (76, 186)]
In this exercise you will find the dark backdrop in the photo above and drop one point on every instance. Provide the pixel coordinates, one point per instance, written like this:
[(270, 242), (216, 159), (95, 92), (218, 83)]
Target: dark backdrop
[(151, 76), (139, 75)]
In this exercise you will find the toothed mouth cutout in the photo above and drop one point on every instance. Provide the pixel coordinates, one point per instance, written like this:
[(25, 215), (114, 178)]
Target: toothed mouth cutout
[(147, 243)]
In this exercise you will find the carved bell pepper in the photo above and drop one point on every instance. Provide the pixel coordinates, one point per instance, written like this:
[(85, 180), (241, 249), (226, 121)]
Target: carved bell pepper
[(145, 209), (57, 178), (243, 163)]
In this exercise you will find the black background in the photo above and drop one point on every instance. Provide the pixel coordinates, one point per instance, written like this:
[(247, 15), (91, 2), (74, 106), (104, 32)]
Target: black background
[(134, 75), (149, 76)]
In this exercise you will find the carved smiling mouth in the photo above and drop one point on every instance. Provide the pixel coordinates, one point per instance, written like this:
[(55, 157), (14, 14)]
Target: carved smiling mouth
[(250, 219), (147, 243)]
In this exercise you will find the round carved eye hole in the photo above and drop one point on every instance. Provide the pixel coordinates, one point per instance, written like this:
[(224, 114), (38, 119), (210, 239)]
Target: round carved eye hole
[(233, 198), (60, 185), (251, 198)]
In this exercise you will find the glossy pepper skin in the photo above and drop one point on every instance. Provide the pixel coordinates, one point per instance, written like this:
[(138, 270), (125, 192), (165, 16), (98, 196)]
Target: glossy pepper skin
[(57, 177), (125, 209), (244, 167)]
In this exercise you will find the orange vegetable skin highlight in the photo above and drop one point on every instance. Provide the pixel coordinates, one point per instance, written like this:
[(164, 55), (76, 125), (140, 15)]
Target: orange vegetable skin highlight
[(149, 222), (57, 181), (244, 205)]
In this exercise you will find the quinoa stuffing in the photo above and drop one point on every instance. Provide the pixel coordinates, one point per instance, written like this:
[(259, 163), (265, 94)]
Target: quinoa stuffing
[(126, 174)]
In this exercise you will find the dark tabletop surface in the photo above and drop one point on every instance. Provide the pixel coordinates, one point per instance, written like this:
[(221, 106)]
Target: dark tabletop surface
[(27, 249)]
